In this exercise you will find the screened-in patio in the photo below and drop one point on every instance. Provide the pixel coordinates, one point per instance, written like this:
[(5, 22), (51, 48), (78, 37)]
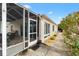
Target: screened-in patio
[(22, 28), (14, 24)]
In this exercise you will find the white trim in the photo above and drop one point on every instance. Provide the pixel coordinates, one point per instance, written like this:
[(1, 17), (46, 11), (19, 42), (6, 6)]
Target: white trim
[(14, 45), (46, 34), (35, 41), (24, 26), (36, 29), (32, 19), (4, 28), (32, 43), (26, 47), (28, 30), (33, 33)]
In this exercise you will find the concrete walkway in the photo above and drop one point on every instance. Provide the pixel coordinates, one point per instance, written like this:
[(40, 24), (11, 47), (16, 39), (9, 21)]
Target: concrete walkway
[(58, 48)]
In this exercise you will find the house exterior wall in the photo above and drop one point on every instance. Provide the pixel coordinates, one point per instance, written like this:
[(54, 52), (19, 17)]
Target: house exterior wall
[(21, 46), (56, 28), (51, 29), (41, 28)]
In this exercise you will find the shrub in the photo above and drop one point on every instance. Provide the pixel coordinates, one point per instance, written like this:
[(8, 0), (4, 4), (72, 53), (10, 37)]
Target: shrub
[(52, 38), (70, 25)]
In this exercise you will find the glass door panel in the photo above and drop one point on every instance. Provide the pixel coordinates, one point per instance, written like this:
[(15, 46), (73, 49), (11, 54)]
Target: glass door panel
[(32, 30)]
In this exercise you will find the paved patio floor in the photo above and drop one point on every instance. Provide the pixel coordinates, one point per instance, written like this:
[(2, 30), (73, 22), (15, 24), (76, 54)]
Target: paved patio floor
[(58, 48)]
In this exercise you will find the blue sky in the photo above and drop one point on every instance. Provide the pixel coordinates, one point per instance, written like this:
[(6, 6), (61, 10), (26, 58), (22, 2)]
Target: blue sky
[(55, 11)]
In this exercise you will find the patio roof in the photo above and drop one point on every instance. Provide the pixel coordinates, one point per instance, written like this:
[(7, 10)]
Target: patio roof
[(14, 12)]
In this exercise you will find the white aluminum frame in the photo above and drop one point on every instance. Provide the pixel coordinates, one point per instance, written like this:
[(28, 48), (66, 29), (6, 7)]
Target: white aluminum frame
[(47, 30), (21, 43), (4, 29), (35, 41), (28, 32), (14, 49)]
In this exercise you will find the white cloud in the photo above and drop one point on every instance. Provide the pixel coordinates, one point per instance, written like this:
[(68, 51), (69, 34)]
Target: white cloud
[(27, 6), (60, 17), (50, 12)]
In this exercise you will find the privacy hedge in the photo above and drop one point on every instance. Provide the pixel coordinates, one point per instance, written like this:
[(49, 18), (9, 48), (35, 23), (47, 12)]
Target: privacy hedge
[(70, 27)]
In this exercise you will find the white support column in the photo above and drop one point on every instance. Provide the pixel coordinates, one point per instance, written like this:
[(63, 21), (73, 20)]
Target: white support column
[(24, 26), (28, 30), (36, 30), (4, 11)]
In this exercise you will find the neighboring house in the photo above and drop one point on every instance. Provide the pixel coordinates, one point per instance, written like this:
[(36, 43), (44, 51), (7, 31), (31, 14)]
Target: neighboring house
[(25, 28)]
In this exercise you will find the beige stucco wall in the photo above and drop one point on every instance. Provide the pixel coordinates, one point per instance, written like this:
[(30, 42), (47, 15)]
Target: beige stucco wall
[(56, 28), (41, 28)]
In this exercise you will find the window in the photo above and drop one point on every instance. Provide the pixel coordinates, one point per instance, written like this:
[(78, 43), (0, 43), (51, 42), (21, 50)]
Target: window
[(53, 28), (46, 28)]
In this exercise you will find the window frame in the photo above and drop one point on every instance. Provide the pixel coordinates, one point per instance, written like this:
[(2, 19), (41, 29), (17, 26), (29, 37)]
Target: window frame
[(46, 29)]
